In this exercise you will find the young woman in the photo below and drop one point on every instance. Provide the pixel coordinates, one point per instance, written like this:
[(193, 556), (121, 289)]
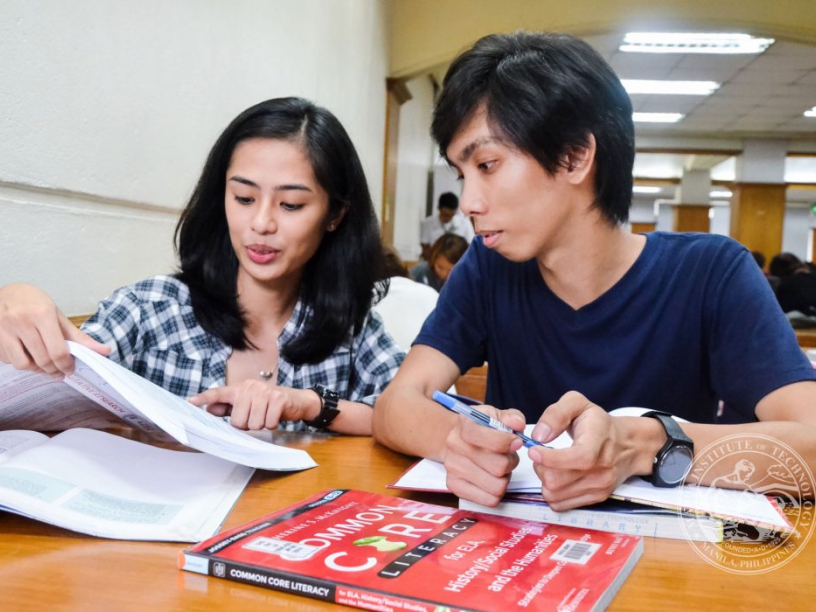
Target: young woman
[(269, 317), (445, 253)]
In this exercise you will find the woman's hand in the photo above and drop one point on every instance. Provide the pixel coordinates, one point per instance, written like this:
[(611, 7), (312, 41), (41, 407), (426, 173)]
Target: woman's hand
[(255, 404), (480, 460), (33, 332)]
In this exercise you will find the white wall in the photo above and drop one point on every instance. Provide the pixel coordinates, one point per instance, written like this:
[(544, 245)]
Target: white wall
[(414, 165), (109, 109)]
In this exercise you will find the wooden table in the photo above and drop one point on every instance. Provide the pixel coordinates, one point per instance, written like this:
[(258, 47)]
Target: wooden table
[(46, 568)]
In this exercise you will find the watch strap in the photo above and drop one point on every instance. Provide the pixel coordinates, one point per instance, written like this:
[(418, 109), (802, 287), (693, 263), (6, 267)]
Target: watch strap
[(328, 407)]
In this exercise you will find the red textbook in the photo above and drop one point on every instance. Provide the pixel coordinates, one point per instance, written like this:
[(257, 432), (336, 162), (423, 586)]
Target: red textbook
[(384, 553)]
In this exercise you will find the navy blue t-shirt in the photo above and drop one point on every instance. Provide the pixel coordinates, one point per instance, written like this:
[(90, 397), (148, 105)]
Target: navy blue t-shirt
[(692, 322)]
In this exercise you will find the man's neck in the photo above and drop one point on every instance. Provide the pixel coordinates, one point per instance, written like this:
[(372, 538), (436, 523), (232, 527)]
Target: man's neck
[(588, 264)]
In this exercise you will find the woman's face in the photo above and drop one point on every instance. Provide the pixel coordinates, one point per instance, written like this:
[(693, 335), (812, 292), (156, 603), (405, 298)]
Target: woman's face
[(442, 267), (276, 211)]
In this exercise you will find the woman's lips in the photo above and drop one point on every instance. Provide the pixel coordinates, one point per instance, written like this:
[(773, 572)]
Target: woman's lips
[(261, 254)]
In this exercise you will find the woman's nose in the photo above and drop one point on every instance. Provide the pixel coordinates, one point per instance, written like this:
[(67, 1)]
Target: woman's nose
[(264, 221)]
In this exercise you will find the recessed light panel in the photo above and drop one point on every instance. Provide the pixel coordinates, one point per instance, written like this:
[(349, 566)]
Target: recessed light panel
[(657, 117), (682, 88), (693, 42)]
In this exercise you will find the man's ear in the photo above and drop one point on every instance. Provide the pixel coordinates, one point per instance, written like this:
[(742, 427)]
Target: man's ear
[(338, 218), (580, 160)]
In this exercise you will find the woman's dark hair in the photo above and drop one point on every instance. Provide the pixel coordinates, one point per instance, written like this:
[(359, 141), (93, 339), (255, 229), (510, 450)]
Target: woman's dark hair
[(450, 246), (545, 93), (338, 283)]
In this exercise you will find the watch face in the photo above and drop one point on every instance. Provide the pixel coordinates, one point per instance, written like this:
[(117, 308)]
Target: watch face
[(675, 464)]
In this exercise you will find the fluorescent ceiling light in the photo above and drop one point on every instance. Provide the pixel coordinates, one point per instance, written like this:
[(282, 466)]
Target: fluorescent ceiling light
[(657, 117), (720, 194), (645, 189), (811, 112), (693, 42), (682, 88)]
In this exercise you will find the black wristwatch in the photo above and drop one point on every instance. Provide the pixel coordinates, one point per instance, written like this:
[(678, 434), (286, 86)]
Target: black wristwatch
[(673, 461), (328, 407)]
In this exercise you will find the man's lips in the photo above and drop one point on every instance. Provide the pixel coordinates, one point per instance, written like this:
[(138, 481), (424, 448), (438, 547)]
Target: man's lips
[(490, 238), (261, 253)]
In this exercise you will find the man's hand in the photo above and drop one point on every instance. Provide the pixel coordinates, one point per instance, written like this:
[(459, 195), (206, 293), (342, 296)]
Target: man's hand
[(479, 460), (602, 456)]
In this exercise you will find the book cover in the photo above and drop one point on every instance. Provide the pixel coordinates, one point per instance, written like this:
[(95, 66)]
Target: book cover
[(612, 515), (379, 552)]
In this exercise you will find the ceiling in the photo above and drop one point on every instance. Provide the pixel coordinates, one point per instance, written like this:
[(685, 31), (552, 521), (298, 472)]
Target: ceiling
[(761, 96)]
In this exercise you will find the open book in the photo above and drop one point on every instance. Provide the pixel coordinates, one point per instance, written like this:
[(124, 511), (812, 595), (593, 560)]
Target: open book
[(102, 393), (104, 485), (715, 505)]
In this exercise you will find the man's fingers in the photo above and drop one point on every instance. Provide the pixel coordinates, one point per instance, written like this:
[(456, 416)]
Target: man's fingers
[(481, 436), (557, 418)]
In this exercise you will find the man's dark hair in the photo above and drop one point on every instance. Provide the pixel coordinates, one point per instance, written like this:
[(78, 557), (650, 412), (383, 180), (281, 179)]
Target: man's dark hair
[(338, 282), (448, 200), (544, 94)]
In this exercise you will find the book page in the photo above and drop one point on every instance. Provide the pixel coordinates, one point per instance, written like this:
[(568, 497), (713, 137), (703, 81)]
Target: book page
[(104, 485), (15, 441), (742, 506), (186, 423), (44, 403)]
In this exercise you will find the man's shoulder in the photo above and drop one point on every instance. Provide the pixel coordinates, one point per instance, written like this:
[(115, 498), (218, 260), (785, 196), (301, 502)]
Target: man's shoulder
[(691, 248)]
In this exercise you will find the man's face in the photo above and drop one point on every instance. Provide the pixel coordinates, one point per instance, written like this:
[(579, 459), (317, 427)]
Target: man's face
[(446, 214), (517, 207)]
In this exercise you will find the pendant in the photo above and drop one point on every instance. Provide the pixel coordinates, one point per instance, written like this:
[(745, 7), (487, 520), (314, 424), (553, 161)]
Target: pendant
[(266, 375)]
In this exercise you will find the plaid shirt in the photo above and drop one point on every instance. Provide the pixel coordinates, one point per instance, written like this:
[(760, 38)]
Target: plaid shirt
[(151, 329)]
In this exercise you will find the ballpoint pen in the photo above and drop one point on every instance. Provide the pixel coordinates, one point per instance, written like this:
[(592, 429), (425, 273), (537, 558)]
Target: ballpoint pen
[(454, 405)]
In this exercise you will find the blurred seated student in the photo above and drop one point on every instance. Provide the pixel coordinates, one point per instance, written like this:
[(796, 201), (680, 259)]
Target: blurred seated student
[(406, 305), (268, 319), (447, 220), (574, 314), (445, 253), (760, 259), (797, 284)]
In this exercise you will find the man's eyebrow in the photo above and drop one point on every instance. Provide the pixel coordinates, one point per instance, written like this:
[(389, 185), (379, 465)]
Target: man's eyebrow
[(283, 187), (468, 150)]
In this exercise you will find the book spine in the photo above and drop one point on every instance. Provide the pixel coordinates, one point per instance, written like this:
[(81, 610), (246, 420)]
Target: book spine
[(301, 585)]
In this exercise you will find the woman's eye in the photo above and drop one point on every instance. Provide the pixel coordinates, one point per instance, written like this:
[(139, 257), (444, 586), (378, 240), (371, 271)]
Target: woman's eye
[(244, 200), (488, 165), (288, 206)]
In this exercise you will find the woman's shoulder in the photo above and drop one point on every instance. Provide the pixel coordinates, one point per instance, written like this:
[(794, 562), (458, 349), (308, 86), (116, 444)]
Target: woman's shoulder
[(160, 287)]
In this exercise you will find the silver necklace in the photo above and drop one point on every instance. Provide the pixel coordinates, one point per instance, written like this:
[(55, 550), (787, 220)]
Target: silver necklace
[(267, 374)]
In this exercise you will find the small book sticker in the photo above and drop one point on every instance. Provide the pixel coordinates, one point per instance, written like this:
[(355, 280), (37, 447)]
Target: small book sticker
[(574, 551), (291, 551)]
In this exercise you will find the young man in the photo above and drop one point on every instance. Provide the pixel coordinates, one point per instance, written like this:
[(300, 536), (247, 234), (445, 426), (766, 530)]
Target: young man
[(447, 220), (571, 311)]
